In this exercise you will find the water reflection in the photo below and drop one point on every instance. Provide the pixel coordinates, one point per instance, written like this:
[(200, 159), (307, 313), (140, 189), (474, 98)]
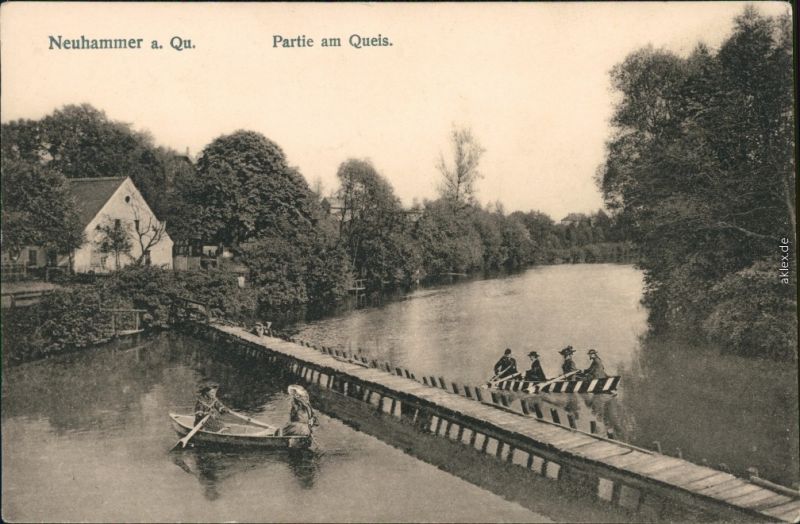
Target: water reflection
[(212, 467), (715, 408)]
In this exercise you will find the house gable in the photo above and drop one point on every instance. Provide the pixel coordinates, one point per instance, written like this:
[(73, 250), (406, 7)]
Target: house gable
[(92, 194), (125, 195), (124, 205)]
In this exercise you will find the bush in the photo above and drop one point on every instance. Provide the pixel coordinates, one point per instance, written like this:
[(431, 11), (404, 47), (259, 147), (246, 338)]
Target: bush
[(73, 317), (156, 290), (755, 315), (220, 291), (67, 318)]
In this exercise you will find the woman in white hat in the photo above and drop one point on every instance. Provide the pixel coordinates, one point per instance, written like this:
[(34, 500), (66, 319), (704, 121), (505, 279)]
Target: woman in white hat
[(301, 415)]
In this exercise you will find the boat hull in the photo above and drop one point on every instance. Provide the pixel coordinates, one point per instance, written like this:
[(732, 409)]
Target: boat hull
[(238, 435), (601, 385)]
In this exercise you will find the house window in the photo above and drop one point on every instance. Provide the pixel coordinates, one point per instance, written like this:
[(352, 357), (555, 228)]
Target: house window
[(117, 223), (136, 225), (127, 199), (32, 257)]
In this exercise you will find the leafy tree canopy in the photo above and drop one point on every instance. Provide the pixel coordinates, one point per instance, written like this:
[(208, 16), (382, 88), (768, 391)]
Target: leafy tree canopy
[(38, 208), (80, 141), (243, 190), (701, 167), (373, 224)]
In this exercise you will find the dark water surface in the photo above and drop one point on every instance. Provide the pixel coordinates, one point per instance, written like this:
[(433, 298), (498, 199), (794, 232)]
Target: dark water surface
[(693, 401), (85, 437)]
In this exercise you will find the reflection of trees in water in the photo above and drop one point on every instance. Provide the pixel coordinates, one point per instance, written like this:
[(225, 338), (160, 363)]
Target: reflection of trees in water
[(97, 389), (102, 388), (714, 406), (213, 467)]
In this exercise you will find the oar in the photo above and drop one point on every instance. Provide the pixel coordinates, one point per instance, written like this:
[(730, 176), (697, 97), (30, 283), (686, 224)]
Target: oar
[(246, 418), (185, 440), (497, 375), (250, 420), (515, 375), (543, 384)]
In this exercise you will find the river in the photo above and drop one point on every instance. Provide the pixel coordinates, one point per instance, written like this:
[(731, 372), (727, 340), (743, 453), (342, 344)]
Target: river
[(85, 436), (708, 407)]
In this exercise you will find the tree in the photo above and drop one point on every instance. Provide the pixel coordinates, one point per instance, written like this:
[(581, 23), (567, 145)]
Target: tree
[(372, 224), (114, 239), (700, 170), (148, 234), (447, 245), (80, 141), (38, 209), (459, 179), (244, 189)]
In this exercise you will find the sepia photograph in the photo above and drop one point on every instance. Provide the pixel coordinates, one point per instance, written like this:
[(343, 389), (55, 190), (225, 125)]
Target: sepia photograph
[(399, 262)]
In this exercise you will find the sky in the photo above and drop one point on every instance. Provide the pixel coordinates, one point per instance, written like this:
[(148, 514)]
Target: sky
[(530, 80)]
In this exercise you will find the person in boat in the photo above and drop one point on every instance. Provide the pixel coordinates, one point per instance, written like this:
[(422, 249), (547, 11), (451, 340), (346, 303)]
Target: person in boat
[(301, 415), (506, 366), (568, 366), (208, 404), (535, 373), (596, 370)]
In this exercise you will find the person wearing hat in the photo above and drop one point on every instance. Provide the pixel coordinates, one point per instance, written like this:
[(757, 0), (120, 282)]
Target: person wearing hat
[(301, 415), (506, 366), (568, 366), (536, 373), (596, 369), (208, 404)]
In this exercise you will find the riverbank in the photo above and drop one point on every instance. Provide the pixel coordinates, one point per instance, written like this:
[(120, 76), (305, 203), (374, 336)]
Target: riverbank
[(75, 314), (81, 315)]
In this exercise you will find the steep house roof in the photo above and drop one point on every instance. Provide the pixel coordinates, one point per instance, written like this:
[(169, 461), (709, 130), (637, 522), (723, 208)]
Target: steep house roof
[(91, 194)]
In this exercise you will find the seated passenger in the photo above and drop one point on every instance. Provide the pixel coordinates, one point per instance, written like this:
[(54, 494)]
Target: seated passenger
[(536, 373), (301, 415), (596, 370), (506, 366), (568, 366)]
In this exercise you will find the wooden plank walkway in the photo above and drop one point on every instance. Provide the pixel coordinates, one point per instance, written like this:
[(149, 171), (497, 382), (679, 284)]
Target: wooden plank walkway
[(681, 479)]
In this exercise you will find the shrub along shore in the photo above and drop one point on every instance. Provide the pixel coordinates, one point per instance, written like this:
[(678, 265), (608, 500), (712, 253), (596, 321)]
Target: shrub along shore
[(77, 315)]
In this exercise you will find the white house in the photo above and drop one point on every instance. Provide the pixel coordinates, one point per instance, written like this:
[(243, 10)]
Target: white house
[(115, 203)]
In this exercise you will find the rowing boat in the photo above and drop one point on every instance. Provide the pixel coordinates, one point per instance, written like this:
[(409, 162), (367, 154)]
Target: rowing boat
[(239, 435), (598, 385)]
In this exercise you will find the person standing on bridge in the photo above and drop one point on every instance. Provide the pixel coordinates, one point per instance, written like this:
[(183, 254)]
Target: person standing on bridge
[(536, 373), (506, 366), (596, 370), (568, 366)]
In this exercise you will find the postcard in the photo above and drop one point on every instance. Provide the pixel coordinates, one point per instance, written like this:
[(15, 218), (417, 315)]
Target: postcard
[(407, 262)]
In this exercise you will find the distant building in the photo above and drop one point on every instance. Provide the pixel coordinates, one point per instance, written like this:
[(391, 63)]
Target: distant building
[(192, 254), (117, 203), (575, 219)]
